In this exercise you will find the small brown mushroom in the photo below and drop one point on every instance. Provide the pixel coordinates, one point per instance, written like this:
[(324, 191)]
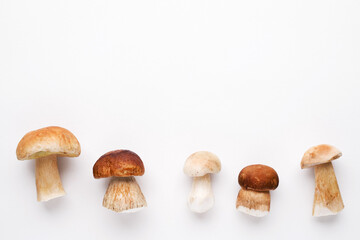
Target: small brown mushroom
[(45, 145), (123, 193), (327, 197), (254, 197)]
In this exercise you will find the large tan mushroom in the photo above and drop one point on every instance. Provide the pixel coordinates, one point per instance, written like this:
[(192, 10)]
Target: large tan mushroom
[(199, 166), (123, 193), (45, 145), (254, 197), (327, 198)]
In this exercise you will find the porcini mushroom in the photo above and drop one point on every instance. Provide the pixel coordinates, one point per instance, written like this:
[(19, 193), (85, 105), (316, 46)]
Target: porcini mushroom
[(123, 193), (327, 197), (254, 197), (45, 145), (199, 166)]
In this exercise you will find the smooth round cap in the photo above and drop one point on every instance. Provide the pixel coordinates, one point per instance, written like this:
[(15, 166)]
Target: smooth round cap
[(200, 163), (319, 154), (118, 163), (258, 177), (48, 141)]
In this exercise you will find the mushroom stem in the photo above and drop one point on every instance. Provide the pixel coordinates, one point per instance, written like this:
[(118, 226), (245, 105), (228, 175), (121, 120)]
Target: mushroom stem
[(254, 203), (48, 182), (201, 197), (124, 195), (327, 199)]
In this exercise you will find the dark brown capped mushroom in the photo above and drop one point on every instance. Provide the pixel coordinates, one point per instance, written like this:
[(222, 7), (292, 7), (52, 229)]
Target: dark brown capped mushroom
[(123, 193), (254, 197)]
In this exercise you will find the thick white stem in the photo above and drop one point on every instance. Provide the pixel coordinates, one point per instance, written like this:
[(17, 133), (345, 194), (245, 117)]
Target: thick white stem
[(327, 198), (48, 182), (124, 195), (201, 197), (254, 203)]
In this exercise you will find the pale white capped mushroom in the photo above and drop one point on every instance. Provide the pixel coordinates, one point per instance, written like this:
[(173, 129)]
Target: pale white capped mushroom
[(200, 165)]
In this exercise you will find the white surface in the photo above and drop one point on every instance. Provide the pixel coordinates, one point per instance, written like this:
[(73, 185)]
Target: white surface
[(251, 81)]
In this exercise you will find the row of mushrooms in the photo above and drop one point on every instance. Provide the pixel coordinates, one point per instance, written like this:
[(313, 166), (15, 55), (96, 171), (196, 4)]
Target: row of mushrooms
[(124, 194), (257, 180)]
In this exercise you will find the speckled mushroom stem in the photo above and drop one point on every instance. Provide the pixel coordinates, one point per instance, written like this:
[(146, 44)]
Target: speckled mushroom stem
[(201, 197), (254, 203), (327, 198), (48, 182), (124, 195)]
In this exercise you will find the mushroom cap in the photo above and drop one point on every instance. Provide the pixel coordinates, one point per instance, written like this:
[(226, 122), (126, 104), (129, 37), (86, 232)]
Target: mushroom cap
[(258, 177), (48, 141), (319, 154), (200, 163), (118, 163)]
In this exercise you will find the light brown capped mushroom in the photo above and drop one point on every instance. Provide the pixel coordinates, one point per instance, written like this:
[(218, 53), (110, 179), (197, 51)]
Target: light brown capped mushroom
[(327, 197), (123, 193), (200, 165), (45, 145), (254, 196)]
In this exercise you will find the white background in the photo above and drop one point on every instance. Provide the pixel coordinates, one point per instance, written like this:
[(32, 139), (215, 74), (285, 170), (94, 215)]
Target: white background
[(251, 81)]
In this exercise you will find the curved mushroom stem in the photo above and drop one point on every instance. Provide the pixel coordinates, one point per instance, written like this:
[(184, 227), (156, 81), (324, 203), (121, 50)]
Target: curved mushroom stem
[(48, 182), (254, 203), (124, 195), (201, 197), (327, 199)]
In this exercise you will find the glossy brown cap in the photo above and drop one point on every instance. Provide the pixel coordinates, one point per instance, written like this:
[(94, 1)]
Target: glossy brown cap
[(48, 141), (118, 163), (258, 178), (319, 154)]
